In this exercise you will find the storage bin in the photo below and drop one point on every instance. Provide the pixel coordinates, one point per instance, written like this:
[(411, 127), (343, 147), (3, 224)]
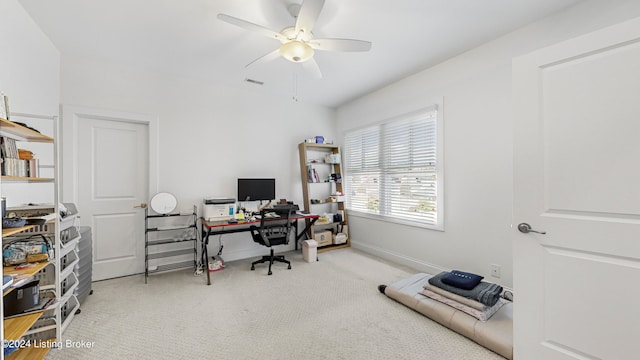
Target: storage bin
[(310, 250), (84, 267), (323, 238), (339, 238)]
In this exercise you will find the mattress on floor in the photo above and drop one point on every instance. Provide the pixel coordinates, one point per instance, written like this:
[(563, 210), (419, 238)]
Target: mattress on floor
[(496, 334)]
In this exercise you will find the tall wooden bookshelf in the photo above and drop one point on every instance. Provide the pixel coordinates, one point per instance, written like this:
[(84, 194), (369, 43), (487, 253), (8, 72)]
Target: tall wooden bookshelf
[(321, 177)]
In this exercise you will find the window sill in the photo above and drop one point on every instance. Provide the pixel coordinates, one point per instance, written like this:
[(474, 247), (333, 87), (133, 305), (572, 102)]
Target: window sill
[(353, 213)]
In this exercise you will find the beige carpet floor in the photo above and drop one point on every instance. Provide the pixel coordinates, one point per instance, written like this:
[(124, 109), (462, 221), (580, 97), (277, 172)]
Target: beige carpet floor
[(325, 310)]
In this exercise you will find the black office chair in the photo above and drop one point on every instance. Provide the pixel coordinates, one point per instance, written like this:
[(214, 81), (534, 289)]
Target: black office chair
[(272, 232)]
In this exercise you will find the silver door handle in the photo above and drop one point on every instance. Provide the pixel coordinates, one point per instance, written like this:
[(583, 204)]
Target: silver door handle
[(142, 205), (526, 228)]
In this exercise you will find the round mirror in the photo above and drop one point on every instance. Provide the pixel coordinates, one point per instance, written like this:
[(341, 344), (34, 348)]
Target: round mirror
[(163, 203)]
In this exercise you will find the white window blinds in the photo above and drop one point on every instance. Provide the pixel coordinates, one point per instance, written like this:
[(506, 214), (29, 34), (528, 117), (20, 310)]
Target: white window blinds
[(392, 169)]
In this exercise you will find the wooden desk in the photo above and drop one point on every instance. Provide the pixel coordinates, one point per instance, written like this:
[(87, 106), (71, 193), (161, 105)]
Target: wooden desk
[(224, 227)]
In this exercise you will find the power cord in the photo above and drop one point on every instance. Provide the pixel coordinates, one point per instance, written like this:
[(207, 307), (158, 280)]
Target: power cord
[(200, 267), (199, 271)]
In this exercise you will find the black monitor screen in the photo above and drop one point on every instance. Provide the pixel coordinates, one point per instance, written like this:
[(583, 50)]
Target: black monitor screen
[(256, 189)]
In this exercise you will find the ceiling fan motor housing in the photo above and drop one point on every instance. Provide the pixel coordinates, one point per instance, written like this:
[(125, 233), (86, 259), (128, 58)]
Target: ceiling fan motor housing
[(296, 51)]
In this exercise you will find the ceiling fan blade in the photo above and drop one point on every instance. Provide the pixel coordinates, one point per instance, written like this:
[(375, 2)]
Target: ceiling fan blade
[(309, 13), (270, 56), (340, 45), (252, 27), (312, 66)]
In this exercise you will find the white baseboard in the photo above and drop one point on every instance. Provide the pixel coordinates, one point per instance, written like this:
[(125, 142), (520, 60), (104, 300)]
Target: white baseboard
[(399, 258), (405, 260)]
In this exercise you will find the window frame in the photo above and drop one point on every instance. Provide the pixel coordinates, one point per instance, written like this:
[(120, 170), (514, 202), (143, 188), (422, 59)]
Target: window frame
[(436, 105)]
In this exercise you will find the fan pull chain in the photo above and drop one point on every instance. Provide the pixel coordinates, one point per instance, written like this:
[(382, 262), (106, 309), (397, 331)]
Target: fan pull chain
[(295, 88)]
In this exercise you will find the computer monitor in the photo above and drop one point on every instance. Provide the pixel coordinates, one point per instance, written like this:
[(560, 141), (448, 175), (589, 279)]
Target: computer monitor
[(256, 189)]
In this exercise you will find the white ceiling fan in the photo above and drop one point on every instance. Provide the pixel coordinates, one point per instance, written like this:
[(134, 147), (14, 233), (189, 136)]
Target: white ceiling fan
[(297, 43)]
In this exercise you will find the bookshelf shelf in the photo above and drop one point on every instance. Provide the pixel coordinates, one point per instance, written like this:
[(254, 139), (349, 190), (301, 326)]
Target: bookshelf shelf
[(15, 327), (21, 133), (24, 178), (13, 231)]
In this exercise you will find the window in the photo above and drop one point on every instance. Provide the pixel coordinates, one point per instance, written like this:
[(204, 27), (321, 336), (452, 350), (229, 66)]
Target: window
[(393, 170)]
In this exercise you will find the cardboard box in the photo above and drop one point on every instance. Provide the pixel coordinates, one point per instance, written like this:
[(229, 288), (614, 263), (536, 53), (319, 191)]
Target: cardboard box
[(323, 238)]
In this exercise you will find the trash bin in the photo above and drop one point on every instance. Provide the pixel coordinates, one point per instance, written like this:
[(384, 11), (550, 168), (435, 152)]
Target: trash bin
[(310, 250)]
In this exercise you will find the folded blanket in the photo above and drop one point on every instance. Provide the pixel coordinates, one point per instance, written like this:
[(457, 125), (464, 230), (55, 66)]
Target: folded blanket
[(461, 299), (461, 279), (484, 292), (482, 315)]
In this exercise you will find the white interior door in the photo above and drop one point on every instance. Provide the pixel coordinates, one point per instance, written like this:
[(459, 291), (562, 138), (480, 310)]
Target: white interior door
[(577, 177), (110, 169)]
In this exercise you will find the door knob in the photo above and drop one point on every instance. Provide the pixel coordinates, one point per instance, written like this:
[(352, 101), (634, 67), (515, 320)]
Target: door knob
[(142, 206), (526, 228)]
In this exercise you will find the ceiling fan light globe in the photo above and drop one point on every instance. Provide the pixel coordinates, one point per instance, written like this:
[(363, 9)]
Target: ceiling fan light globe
[(296, 51)]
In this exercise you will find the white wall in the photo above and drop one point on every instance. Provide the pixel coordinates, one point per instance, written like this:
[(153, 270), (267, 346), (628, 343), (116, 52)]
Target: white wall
[(476, 87), (30, 77), (208, 135)]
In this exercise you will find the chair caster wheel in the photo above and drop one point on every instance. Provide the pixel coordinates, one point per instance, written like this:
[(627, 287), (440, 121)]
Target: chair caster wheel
[(269, 273), (289, 267), (253, 267)]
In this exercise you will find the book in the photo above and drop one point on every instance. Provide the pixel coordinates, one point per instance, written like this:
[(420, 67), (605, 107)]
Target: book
[(33, 170), (14, 167), (313, 175), (4, 146), (8, 147)]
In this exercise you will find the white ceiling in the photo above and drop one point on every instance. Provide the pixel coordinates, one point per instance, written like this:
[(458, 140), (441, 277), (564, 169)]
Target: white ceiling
[(184, 38)]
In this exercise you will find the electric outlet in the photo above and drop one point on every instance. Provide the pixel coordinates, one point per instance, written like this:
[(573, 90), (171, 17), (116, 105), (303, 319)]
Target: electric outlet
[(495, 270)]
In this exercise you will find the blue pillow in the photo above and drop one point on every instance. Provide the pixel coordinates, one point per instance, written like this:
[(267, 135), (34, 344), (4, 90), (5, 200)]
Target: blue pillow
[(462, 280)]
